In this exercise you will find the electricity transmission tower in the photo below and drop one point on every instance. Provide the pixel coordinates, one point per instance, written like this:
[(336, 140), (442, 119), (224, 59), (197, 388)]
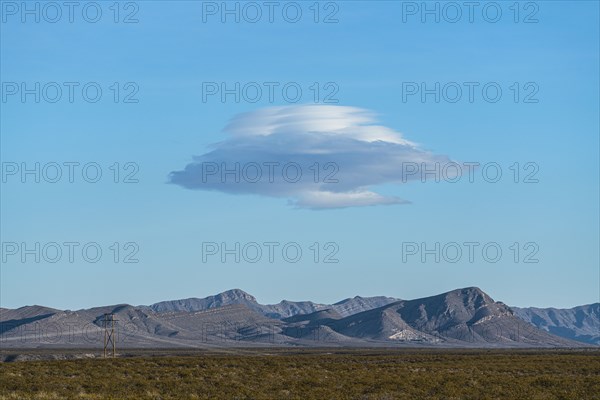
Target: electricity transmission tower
[(109, 334)]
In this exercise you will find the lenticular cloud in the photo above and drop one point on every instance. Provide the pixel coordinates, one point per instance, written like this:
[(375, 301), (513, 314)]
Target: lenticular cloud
[(316, 156)]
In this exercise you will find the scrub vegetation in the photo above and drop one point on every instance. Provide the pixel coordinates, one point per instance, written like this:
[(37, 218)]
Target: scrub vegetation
[(311, 374)]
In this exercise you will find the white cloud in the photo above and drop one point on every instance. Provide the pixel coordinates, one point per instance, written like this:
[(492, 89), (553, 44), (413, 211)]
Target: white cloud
[(340, 152), (350, 122)]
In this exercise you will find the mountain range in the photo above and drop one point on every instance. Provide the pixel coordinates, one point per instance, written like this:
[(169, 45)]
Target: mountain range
[(580, 323), (465, 317), (283, 309)]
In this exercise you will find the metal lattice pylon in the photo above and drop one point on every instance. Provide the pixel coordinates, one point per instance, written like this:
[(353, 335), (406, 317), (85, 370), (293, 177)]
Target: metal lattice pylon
[(109, 333)]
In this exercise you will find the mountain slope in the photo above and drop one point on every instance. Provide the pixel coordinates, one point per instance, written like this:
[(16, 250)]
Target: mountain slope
[(359, 304), (579, 323), (466, 317), (229, 297)]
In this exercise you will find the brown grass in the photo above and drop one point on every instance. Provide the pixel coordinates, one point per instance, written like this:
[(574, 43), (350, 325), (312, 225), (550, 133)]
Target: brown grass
[(355, 374)]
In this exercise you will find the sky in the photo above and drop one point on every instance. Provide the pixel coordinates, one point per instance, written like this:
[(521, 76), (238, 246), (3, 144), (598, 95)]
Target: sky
[(156, 150)]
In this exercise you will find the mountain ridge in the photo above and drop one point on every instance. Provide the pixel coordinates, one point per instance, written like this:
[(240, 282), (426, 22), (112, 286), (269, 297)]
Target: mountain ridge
[(581, 323), (283, 309), (466, 317)]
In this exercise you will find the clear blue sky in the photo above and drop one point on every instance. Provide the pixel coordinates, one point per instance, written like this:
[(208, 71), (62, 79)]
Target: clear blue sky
[(369, 55)]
